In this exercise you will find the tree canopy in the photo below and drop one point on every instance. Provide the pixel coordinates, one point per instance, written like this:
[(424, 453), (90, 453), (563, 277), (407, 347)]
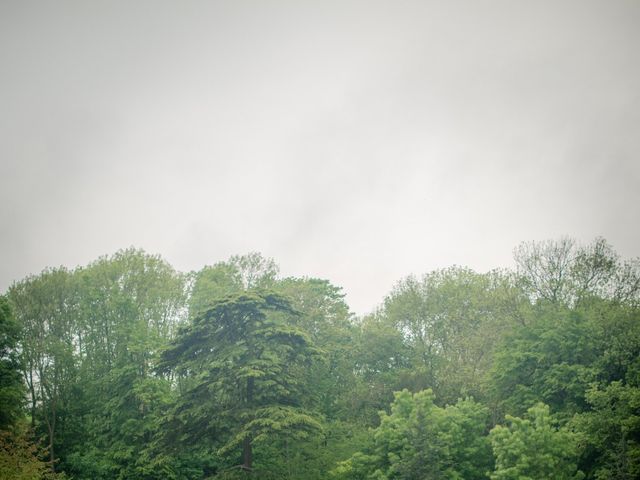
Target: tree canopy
[(128, 369)]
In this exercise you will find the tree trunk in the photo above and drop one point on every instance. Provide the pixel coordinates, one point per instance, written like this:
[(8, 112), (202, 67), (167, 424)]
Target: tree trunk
[(51, 426), (34, 402), (52, 456), (247, 455)]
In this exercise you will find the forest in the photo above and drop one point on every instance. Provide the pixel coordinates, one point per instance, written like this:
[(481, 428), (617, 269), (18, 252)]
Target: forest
[(129, 369)]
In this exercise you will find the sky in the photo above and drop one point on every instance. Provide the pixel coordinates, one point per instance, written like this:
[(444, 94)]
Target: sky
[(357, 141)]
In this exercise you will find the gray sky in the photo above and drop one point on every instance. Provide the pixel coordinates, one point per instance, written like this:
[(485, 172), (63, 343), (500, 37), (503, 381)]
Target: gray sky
[(358, 141)]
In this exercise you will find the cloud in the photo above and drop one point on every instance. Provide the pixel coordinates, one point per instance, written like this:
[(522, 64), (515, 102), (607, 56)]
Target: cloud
[(357, 141)]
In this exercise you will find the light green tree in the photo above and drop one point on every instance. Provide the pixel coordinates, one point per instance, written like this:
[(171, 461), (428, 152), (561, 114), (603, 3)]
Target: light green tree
[(128, 306), (44, 306), (451, 321), (418, 439), (237, 274), (532, 448), (88, 341)]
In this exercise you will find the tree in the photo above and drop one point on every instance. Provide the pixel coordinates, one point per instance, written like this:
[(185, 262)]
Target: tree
[(325, 318), (533, 449), (20, 458), (451, 321), (11, 386), (239, 273), (610, 432), (44, 306), (550, 359), (615, 329), (245, 361), (128, 306), (421, 440), (89, 337), (545, 268), (564, 272), (382, 366)]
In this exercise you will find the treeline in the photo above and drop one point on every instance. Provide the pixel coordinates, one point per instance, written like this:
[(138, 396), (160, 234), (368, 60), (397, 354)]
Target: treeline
[(128, 369)]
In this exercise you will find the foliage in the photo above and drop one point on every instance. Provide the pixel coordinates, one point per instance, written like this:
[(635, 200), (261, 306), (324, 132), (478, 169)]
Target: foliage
[(44, 306), (239, 273), (421, 440), (550, 359), (325, 318), (246, 360), (451, 322), (533, 449), (610, 432), (382, 366), (11, 385), (564, 272), (130, 304), (20, 458), (88, 340), (127, 369)]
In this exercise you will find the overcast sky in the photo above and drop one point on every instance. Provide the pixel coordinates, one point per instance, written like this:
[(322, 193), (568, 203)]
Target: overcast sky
[(358, 141)]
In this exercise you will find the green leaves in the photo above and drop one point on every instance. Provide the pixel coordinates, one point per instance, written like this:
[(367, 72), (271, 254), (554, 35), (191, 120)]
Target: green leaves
[(135, 371), (11, 386), (418, 439), (610, 432), (550, 358), (533, 449), (246, 352), (450, 322)]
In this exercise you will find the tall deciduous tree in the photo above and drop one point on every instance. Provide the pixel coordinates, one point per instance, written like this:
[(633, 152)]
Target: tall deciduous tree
[(564, 272), (129, 304), (11, 385), (550, 359), (451, 321), (610, 432), (44, 306), (382, 364)]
